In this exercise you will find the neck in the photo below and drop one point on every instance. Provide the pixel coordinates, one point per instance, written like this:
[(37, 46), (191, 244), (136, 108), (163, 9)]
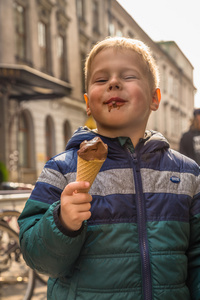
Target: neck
[(134, 135)]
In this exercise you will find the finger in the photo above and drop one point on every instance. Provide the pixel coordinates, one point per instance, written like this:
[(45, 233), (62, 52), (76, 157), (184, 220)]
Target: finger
[(74, 186), (77, 221), (85, 215), (77, 198), (77, 217), (83, 207)]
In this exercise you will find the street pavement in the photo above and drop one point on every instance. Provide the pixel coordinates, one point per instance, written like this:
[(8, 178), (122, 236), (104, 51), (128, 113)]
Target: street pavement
[(14, 292), (40, 292)]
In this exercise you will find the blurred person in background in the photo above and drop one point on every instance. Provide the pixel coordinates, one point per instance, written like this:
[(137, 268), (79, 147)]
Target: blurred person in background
[(190, 140)]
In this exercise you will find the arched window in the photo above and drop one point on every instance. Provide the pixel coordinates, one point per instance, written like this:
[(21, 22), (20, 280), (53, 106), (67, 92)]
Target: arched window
[(66, 132), (50, 137)]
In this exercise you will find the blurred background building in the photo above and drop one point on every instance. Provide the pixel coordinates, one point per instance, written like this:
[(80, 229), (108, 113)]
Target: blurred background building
[(43, 48)]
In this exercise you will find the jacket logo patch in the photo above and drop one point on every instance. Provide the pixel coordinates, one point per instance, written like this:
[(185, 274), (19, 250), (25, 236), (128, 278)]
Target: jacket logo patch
[(175, 179)]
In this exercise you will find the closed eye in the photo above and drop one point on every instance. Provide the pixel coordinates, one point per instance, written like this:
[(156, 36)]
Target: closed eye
[(101, 80), (130, 77)]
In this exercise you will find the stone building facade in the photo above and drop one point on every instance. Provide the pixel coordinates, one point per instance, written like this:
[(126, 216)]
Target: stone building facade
[(43, 48)]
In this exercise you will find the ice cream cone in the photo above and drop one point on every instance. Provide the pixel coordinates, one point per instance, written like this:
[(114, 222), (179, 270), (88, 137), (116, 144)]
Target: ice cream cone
[(87, 170)]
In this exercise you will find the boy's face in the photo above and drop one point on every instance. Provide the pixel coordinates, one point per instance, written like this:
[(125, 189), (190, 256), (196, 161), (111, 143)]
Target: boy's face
[(119, 94)]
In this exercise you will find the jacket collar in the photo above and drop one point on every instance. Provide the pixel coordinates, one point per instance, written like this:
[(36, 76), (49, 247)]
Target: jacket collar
[(152, 141)]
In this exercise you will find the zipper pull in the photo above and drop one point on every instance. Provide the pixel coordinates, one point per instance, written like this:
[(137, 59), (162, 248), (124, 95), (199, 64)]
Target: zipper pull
[(135, 161), (134, 156)]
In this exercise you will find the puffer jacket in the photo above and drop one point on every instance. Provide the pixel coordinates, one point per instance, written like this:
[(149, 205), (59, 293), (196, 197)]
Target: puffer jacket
[(142, 241)]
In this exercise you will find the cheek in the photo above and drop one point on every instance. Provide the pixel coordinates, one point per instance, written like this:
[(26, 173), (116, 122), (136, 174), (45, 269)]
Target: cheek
[(94, 97), (139, 97)]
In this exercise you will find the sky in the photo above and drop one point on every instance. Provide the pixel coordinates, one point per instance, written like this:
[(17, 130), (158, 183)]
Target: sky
[(171, 20)]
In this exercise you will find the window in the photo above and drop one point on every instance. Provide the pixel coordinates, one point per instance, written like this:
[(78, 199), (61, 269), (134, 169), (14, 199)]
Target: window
[(23, 140), (112, 29), (42, 41), (119, 31), (61, 56), (174, 122), (82, 71), (44, 8), (62, 25), (165, 117), (171, 84), (164, 79), (176, 87), (19, 14), (115, 27), (80, 9), (50, 138), (130, 35), (95, 12)]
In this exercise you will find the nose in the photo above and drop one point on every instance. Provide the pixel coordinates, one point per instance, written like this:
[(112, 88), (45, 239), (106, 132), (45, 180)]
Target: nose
[(114, 84), (112, 87)]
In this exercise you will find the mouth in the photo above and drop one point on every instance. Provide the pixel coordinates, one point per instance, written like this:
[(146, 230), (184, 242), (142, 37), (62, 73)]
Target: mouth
[(115, 102)]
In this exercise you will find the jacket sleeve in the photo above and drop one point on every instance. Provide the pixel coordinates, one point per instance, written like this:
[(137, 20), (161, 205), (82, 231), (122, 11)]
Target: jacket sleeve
[(45, 245), (194, 248)]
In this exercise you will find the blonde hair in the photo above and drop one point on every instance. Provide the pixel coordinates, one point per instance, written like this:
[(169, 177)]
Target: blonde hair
[(125, 43)]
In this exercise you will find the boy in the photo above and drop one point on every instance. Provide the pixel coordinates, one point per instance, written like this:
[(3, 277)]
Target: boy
[(135, 235)]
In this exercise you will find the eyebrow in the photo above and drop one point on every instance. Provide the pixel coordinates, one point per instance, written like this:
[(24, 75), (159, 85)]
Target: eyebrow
[(105, 70)]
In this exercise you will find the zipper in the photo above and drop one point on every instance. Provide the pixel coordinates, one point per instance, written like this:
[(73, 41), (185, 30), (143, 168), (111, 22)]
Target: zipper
[(142, 231)]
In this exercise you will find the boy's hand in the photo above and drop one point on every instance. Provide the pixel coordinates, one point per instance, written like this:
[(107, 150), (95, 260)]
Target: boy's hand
[(75, 207)]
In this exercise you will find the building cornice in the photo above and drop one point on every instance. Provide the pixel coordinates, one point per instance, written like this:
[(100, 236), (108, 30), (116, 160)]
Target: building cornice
[(26, 83)]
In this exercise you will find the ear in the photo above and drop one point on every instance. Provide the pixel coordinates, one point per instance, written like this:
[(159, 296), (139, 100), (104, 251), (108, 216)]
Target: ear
[(88, 111), (155, 100)]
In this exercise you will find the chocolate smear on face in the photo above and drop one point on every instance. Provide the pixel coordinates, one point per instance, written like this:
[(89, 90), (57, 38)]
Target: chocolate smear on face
[(115, 104)]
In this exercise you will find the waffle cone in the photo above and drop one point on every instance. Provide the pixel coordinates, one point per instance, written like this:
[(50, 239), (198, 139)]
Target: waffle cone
[(87, 170)]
